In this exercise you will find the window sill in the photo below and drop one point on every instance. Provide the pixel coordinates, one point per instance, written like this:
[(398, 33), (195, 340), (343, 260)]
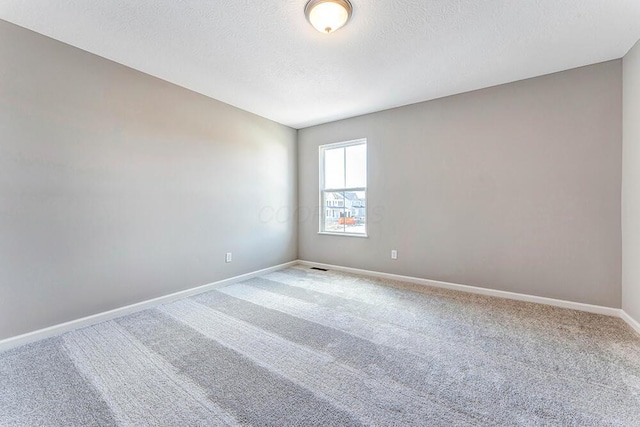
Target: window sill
[(328, 233)]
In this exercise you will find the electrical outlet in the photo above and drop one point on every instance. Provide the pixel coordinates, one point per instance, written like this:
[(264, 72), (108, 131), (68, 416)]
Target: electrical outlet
[(228, 257), (394, 254)]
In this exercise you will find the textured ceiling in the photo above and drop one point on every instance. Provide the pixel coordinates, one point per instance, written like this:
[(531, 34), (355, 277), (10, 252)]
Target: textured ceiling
[(262, 55)]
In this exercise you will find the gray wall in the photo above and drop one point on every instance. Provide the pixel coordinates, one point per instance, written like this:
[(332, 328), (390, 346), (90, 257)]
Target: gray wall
[(116, 187), (515, 188), (631, 185)]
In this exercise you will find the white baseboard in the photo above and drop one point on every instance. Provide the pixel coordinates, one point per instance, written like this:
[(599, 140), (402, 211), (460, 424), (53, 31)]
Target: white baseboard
[(630, 321), (608, 311), (597, 309), (61, 328)]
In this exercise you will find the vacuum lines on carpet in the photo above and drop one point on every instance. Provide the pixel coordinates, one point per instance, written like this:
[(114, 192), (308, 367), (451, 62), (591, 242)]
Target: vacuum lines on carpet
[(301, 347)]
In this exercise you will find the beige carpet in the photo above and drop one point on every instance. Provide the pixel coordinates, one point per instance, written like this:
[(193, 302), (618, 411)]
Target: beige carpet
[(302, 347)]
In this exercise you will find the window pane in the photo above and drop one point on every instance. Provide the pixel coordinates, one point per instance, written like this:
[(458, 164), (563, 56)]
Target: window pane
[(334, 168), (344, 167), (344, 212), (334, 210), (355, 212), (356, 158)]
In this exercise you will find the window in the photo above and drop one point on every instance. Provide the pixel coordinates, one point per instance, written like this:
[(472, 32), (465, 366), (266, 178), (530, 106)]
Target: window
[(343, 188)]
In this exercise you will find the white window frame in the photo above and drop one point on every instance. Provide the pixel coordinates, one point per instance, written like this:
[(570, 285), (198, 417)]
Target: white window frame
[(322, 190)]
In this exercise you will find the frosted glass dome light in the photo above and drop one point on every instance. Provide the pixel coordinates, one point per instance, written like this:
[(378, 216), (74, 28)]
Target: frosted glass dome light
[(327, 16)]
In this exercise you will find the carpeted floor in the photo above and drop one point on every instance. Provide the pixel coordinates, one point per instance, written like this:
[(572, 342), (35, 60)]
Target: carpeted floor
[(301, 348)]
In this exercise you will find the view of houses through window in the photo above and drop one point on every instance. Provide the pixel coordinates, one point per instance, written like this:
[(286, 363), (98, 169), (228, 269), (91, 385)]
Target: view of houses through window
[(343, 180)]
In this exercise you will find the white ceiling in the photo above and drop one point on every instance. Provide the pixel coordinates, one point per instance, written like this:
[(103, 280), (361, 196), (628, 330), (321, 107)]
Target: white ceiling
[(262, 55)]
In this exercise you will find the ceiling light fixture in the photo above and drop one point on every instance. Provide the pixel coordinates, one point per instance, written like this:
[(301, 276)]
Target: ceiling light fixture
[(328, 16)]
